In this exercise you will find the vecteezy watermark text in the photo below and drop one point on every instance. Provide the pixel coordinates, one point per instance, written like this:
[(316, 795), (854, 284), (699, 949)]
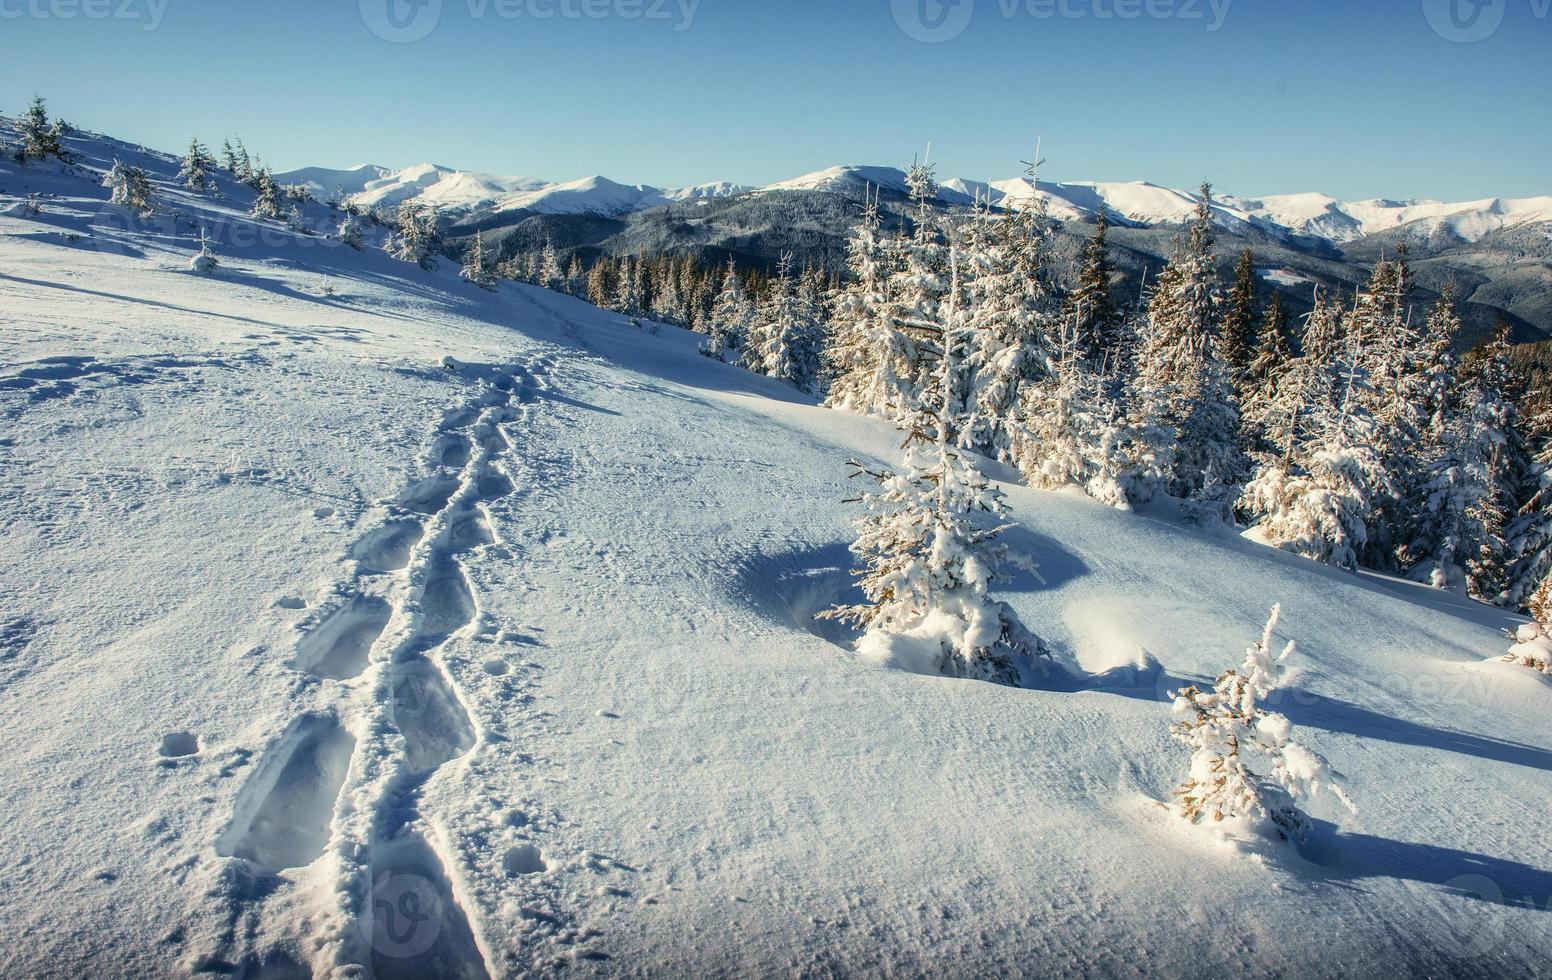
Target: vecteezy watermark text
[(934, 21), (150, 12), (403, 21)]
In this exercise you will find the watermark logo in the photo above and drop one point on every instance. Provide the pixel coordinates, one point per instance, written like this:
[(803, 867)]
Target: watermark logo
[(406, 915), (401, 21), (404, 21), (936, 21), (148, 12), (1465, 21), (933, 21)]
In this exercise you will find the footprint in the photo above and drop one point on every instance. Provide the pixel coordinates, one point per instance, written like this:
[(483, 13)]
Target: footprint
[(177, 745), (339, 647), (458, 418), (283, 814), (524, 859), (453, 450), (430, 496), (387, 549), (447, 601), (490, 438), (493, 486), (496, 668), (414, 925), (435, 727), (469, 531)]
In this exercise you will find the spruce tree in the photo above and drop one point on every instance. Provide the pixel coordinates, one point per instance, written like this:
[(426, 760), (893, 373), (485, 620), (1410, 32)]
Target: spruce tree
[(1529, 534), (730, 315), (550, 274), (1465, 500), (416, 237), (873, 358), (1237, 342), (130, 187), (349, 232), (599, 283), (1090, 306), (1314, 491), (627, 295), (476, 267), (268, 202), (1227, 728), (784, 335), (196, 170), (1180, 387), (40, 138), (1012, 309), (930, 563)]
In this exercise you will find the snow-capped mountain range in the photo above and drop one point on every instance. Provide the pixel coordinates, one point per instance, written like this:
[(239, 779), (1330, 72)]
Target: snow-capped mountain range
[(1138, 203)]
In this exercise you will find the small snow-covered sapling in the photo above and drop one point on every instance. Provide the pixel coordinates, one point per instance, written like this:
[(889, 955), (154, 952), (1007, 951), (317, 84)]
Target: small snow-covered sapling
[(1226, 728)]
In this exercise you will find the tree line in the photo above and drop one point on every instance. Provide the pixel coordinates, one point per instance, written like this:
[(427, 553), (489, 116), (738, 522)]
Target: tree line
[(1355, 435)]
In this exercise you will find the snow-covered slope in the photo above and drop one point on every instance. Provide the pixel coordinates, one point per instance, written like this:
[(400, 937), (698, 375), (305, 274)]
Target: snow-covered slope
[(454, 190), (599, 195), (1325, 217), (1144, 203), (441, 187), (356, 621)]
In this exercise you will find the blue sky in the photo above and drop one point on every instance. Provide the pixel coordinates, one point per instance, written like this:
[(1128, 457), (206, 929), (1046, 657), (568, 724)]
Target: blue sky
[(1357, 99)]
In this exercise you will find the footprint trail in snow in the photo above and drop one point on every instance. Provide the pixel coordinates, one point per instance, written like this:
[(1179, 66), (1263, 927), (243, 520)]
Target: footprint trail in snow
[(352, 773)]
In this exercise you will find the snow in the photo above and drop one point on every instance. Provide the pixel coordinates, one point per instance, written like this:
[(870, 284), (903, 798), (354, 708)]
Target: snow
[(454, 190), (318, 609), (599, 195), (1137, 202), (1285, 277)]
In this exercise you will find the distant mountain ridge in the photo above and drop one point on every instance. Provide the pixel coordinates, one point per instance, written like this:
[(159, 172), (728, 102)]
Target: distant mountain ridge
[(1132, 203)]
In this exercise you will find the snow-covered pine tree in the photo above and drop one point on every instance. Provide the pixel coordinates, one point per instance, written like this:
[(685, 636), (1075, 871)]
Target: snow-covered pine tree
[(627, 296), (1314, 490), (1090, 306), (1393, 362), (130, 187), (268, 202), (551, 276), (1465, 499), (197, 169), (730, 315), (476, 266), (1227, 728), (349, 232), (1274, 352), (1013, 310), (1529, 534), (416, 237), (873, 359), (1068, 430), (204, 261), (667, 300), (598, 283), (784, 336), (576, 279), (930, 563), (243, 168), (1180, 383), (1237, 340), (40, 138), (914, 296)]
